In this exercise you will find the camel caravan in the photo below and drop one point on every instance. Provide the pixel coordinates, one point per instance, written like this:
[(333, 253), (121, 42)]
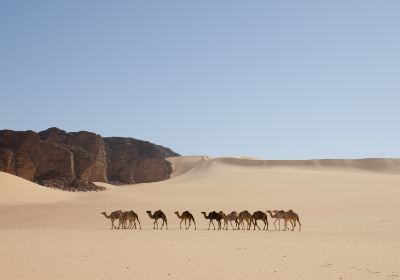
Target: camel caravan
[(237, 221)]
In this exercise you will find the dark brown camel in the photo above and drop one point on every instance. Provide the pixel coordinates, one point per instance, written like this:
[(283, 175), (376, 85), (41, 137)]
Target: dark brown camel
[(213, 216), (115, 215), (259, 215), (186, 215), (156, 216)]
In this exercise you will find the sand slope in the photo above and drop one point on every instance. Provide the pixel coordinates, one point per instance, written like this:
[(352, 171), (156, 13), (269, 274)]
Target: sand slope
[(348, 208), (15, 190)]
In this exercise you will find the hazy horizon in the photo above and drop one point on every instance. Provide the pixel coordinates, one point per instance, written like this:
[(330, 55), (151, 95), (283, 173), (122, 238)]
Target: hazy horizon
[(272, 80)]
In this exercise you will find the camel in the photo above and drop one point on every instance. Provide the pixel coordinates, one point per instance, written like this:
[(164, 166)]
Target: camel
[(223, 217), (212, 216), (278, 215), (259, 215), (131, 217), (232, 217), (186, 215), (115, 215), (293, 218), (156, 216), (245, 216)]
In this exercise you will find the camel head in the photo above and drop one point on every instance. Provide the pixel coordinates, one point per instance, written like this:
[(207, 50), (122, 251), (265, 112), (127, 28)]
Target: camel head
[(176, 212), (148, 212), (204, 213), (103, 213)]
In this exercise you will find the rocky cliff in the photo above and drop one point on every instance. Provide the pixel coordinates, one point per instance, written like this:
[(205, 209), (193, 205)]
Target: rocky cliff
[(71, 160)]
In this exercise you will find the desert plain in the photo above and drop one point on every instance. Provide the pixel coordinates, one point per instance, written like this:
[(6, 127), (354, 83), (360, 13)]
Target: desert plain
[(349, 210)]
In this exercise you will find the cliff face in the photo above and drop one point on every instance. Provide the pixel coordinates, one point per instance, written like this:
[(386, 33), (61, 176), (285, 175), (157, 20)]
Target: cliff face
[(71, 160), (134, 161)]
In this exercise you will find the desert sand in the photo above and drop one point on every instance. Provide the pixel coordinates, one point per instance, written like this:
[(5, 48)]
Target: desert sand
[(349, 211)]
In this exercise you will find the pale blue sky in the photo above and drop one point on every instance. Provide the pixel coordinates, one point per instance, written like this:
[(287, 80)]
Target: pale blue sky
[(272, 79)]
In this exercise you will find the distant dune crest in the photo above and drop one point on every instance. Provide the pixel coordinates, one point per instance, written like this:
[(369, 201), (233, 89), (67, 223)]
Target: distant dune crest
[(181, 165)]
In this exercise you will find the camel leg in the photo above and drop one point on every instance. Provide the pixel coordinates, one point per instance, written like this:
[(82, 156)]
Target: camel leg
[(180, 225), (275, 223), (299, 223), (194, 222), (139, 223), (166, 224), (186, 223), (163, 222), (293, 225), (213, 224), (266, 224)]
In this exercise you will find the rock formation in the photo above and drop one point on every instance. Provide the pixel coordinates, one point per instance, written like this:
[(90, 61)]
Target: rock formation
[(133, 161), (72, 160)]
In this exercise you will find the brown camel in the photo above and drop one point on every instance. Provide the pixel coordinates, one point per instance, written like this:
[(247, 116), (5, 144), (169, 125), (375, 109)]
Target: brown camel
[(278, 215), (245, 216), (232, 217), (223, 217), (115, 215), (259, 215), (212, 216), (131, 217), (293, 218), (186, 216), (156, 216)]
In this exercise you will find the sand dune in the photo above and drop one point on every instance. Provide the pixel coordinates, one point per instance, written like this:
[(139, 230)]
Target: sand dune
[(382, 165), (348, 208), (15, 190)]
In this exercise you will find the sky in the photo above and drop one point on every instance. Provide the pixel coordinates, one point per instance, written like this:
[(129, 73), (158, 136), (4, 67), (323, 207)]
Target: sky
[(266, 79)]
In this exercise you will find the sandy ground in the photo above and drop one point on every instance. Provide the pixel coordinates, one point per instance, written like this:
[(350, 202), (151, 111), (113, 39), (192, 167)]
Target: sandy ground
[(350, 218)]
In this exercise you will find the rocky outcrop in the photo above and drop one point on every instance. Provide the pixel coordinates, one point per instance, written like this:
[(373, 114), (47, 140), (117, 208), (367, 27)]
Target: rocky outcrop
[(72, 160), (88, 150), (134, 161)]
